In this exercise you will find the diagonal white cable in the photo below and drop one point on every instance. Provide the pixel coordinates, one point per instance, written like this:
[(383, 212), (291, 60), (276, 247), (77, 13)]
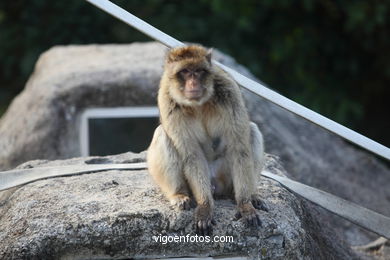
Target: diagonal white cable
[(359, 215), (249, 84)]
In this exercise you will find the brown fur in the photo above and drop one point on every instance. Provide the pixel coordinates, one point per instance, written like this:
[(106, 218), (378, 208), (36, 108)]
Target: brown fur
[(204, 147), (192, 52)]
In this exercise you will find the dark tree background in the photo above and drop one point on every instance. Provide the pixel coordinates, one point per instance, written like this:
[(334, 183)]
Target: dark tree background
[(332, 56)]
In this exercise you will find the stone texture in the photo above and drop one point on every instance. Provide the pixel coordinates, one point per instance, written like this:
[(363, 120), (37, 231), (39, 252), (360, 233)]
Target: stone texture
[(42, 123), (115, 214)]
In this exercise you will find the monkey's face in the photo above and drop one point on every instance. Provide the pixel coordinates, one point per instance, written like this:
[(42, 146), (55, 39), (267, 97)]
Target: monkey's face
[(193, 82), (190, 73)]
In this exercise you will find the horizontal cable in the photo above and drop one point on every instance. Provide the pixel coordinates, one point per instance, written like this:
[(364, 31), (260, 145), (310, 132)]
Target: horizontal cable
[(361, 216)]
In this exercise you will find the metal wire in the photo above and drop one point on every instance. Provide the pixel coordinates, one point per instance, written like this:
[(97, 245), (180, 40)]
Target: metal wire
[(249, 84)]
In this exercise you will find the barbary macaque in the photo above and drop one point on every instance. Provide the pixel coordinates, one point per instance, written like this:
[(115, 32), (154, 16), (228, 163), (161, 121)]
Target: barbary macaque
[(205, 147)]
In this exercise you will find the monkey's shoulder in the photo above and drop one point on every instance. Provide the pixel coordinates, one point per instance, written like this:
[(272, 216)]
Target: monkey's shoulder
[(226, 91)]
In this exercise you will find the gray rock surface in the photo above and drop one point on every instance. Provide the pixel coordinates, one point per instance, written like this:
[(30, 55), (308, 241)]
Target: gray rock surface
[(42, 123), (115, 214)]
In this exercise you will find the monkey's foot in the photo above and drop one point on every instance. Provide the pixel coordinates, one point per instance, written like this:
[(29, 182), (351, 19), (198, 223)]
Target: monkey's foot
[(181, 202), (258, 203), (248, 214), (203, 220)]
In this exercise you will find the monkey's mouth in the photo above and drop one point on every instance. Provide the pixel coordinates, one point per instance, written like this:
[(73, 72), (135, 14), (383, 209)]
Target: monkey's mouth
[(193, 94)]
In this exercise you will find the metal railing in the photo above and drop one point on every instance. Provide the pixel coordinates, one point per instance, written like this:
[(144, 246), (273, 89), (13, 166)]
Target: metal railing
[(249, 84)]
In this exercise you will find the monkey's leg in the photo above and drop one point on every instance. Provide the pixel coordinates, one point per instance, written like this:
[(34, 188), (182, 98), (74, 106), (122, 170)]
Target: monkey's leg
[(166, 168), (257, 143)]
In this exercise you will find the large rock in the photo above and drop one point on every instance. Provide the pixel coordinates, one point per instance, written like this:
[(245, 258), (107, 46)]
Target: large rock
[(42, 122), (117, 214)]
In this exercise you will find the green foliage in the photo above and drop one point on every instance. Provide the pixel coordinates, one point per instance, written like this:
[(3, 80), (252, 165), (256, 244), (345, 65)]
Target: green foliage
[(332, 56)]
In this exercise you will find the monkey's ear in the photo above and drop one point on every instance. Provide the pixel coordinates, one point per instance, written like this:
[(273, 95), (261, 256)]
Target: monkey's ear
[(208, 55), (168, 56)]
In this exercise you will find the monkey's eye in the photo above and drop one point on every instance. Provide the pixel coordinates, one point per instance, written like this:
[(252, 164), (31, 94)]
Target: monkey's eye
[(184, 71)]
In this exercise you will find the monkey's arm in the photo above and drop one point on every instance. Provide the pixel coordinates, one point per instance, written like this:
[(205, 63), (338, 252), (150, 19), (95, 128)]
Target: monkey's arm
[(196, 172), (241, 157), (182, 133), (244, 179), (195, 167)]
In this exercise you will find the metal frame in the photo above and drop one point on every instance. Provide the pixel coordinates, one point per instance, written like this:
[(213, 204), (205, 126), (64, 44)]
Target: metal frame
[(116, 112)]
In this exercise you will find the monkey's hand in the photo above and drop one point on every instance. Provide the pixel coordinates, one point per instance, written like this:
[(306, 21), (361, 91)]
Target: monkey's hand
[(204, 220), (248, 214), (181, 202), (258, 203)]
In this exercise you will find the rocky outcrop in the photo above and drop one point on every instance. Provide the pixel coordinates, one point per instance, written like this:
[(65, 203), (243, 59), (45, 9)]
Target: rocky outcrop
[(119, 214), (42, 122)]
